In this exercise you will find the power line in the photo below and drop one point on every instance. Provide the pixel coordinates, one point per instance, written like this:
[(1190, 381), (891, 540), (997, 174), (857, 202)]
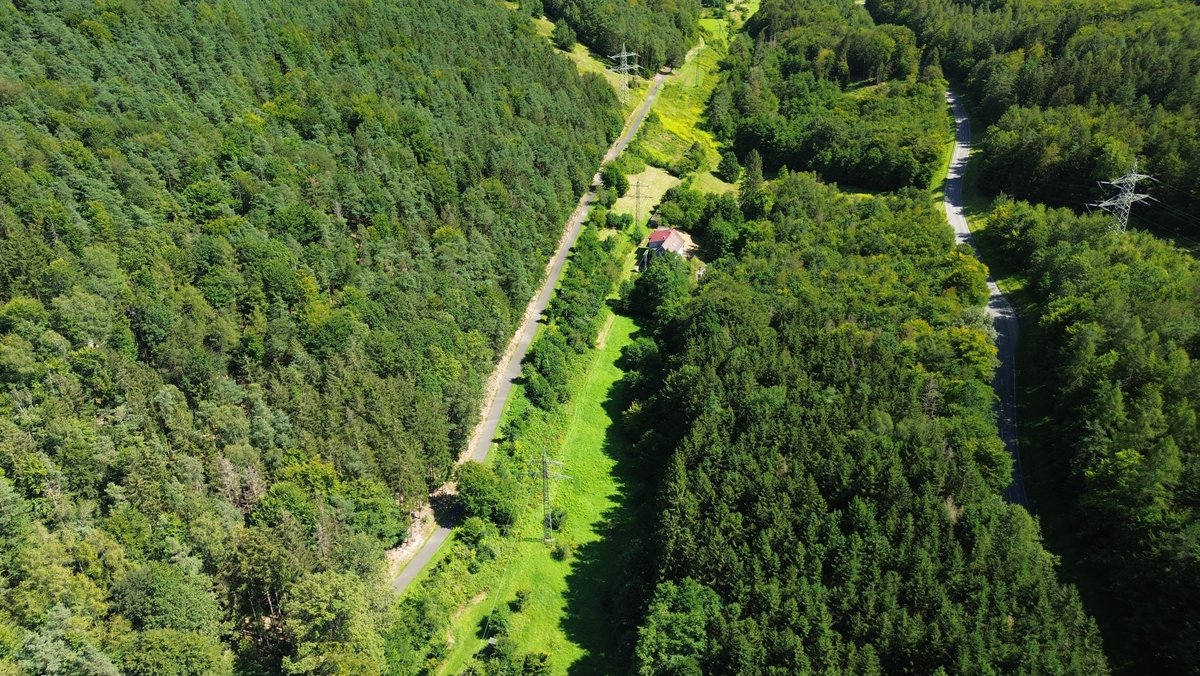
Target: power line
[(624, 67), (1120, 204), (546, 475)]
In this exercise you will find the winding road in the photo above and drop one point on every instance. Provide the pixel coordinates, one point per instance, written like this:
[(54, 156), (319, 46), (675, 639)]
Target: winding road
[(508, 369), (1004, 317)]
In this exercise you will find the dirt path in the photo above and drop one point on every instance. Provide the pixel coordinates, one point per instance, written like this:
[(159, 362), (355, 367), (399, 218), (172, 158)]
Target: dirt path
[(499, 385)]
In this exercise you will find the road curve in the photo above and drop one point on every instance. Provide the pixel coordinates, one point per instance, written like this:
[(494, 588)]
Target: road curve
[(509, 367), (1004, 317)]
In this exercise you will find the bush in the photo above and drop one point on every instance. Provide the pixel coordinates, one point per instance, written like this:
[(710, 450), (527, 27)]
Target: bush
[(615, 179), (520, 600), (563, 36), (558, 518), (562, 550), (729, 170), (497, 623), (482, 493), (473, 530), (619, 221)]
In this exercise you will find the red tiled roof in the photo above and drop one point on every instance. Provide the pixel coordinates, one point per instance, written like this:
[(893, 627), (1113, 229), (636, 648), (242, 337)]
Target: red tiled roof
[(661, 235)]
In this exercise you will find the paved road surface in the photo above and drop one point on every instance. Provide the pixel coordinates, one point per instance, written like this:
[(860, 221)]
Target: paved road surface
[(998, 308), (509, 367)]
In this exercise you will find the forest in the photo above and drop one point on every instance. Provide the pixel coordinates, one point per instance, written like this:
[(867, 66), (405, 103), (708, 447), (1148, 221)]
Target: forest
[(488, 494), (256, 260), (1119, 316), (829, 492), (818, 86), (660, 31), (1074, 92)]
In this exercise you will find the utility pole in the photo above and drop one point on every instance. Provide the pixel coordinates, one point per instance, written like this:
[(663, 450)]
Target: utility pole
[(624, 67), (1120, 204), (637, 202), (546, 475)]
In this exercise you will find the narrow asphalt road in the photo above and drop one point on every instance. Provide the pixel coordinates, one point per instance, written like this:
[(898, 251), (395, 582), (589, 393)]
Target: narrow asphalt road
[(1004, 317), (509, 366)]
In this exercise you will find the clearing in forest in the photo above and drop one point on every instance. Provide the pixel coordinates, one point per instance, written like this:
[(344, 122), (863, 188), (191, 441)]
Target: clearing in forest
[(563, 615)]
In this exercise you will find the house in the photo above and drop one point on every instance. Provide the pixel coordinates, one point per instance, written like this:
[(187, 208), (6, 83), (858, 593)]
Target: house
[(667, 239)]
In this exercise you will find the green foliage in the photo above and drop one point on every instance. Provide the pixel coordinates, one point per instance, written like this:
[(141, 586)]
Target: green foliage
[(1075, 90), (484, 494), (256, 261), (329, 618), (729, 170), (658, 30), (563, 36), (1119, 315), (167, 652), (791, 100), (162, 596), (591, 273), (614, 179), (830, 464), (62, 647), (660, 292), (678, 623)]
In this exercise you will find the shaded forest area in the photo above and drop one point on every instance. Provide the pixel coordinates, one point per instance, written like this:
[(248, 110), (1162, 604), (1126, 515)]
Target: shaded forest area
[(660, 31), (257, 259), (1074, 91), (819, 86), (1118, 312), (829, 498)]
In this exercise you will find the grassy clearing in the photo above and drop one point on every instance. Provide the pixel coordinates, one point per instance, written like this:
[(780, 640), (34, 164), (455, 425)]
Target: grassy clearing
[(680, 113), (705, 182), (655, 183), (567, 623), (587, 62), (740, 12)]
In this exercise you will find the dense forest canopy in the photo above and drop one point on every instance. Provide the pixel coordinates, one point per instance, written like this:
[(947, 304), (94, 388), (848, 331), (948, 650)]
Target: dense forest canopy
[(1074, 91), (817, 85), (256, 259), (659, 31), (1119, 314), (831, 472)]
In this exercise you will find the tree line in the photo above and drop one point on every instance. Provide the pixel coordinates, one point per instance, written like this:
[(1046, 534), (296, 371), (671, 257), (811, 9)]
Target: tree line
[(660, 31), (1073, 91), (256, 261), (819, 86), (489, 495), (1118, 315), (820, 412)]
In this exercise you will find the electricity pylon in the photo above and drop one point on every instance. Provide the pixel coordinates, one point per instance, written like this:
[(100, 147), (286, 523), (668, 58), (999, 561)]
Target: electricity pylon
[(1120, 204), (546, 475), (637, 202), (624, 67)]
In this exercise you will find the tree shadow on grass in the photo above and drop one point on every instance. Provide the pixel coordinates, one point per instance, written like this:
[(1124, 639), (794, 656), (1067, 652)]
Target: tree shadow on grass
[(602, 587), (447, 512)]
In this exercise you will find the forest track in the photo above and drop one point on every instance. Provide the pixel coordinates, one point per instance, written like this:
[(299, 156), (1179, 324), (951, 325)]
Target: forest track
[(1004, 316), (508, 369)]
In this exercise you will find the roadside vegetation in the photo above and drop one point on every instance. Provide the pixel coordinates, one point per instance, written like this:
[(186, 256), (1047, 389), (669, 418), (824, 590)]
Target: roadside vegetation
[(830, 475), (1072, 92), (1108, 410), (499, 580)]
